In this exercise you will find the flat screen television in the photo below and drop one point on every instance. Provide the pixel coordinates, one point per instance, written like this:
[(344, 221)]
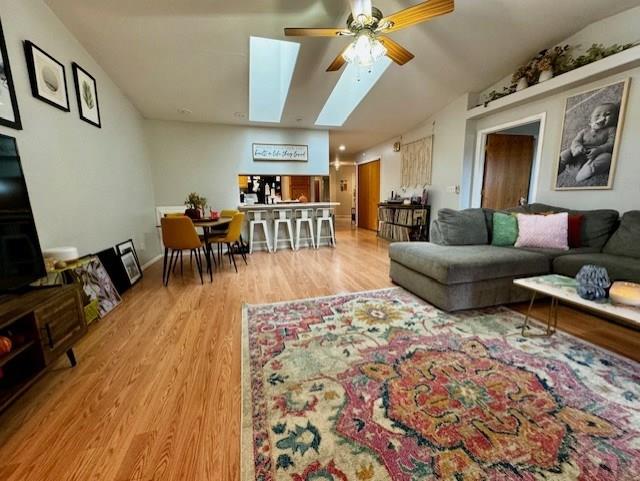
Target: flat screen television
[(21, 260)]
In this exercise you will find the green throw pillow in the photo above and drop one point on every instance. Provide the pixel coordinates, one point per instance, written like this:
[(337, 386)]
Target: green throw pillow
[(505, 229)]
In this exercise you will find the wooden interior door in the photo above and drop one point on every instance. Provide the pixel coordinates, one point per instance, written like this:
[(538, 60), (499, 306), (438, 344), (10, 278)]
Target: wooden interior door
[(368, 194), (300, 185), (507, 170)]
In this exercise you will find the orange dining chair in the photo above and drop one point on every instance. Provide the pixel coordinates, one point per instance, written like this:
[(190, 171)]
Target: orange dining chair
[(232, 238), (225, 214), (178, 234)]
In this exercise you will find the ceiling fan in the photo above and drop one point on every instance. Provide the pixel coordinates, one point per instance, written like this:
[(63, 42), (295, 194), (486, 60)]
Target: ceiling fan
[(367, 25)]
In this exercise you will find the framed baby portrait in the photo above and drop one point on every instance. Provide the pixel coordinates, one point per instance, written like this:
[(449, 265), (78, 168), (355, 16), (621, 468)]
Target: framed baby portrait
[(591, 132)]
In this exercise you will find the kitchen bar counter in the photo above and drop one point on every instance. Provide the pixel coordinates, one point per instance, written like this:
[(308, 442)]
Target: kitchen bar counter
[(289, 205), (284, 205)]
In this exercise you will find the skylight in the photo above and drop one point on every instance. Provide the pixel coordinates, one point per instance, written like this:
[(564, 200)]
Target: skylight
[(352, 87), (272, 63)]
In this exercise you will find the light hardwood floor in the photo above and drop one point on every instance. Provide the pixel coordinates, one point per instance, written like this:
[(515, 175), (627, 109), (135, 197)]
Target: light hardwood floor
[(156, 393)]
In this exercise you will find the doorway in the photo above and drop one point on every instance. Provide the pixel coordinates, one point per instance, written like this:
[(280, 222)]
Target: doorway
[(507, 164), (368, 194)]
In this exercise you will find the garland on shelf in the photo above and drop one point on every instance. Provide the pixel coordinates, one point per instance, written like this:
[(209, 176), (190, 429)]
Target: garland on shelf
[(553, 62)]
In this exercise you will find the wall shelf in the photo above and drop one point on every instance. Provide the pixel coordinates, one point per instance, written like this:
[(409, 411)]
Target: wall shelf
[(606, 67)]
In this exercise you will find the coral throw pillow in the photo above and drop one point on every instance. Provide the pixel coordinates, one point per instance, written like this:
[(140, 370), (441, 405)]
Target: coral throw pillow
[(543, 231), (575, 230)]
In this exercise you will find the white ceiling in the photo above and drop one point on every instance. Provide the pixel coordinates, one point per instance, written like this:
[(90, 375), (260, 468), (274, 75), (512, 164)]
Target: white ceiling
[(194, 54)]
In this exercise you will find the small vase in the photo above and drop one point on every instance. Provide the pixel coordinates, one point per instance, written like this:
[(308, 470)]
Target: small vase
[(522, 84), (545, 75)]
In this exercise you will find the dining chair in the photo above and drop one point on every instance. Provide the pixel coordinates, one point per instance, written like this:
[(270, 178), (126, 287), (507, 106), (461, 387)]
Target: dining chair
[(178, 234), (225, 214), (232, 239)]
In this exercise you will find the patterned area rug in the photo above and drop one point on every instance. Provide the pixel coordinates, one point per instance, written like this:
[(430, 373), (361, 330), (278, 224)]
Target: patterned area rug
[(380, 386)]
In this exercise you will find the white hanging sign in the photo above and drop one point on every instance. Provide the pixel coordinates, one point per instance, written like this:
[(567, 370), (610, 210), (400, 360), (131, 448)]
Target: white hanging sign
[(281, 152)]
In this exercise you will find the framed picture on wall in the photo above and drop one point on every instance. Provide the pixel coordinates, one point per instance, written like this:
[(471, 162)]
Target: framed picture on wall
[(280, 152), (87, 95), (9, 113), (48, 77), (591, 132)]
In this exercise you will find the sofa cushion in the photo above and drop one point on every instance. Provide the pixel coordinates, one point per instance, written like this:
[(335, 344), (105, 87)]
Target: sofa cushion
[(545, 231), (597, 225), (626, 240), (463, 264), (464, 227), (505, 229), (553, 253), (620, 268)]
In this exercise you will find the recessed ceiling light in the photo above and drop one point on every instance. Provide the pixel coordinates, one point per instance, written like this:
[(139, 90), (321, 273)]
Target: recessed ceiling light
[(184, 111), (342, 148)]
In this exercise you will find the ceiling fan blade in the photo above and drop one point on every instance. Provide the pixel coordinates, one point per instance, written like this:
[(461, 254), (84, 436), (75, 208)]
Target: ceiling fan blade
[(418, 13), (360, 7), (338, 62), (395, 51), (316, 32)]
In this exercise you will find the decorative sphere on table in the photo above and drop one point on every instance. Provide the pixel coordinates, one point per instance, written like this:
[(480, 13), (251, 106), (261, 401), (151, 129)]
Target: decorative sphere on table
[(593, 282)]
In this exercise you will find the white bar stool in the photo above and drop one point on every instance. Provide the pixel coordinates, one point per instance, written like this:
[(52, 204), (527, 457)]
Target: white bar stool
[(282, 216), (304, 216), (258, 218), (323, 215)]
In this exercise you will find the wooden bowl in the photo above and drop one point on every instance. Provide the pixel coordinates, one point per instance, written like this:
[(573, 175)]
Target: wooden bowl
[(626, 293)]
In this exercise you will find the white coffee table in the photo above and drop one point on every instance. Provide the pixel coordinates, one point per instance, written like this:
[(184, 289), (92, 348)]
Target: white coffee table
[(563, 289)]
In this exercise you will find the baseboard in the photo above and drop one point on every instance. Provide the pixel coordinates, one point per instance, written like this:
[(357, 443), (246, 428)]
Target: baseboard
[(151, 262)]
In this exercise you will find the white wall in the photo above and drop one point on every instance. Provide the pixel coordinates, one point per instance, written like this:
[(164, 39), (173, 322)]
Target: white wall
[(207, 158), (625, 194), (89, 187), (617, 29), (448, 151), (345, 198)]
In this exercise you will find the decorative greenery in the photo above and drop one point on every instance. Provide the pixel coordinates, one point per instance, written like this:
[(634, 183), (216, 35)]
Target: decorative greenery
[(87, 95), (559, 60), (195, 201), (549, 59), (596, 52)]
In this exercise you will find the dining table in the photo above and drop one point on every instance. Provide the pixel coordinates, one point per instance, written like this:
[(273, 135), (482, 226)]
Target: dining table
[(208, 227)]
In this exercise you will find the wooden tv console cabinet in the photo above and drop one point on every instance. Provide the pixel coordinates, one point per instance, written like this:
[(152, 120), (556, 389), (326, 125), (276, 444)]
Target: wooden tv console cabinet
[(43, 324)]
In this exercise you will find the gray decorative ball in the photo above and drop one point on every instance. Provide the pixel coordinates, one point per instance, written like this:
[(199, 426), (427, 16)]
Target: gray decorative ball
[(593, 282)]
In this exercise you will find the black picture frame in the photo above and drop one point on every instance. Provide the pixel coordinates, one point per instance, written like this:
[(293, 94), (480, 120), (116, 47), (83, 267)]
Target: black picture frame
[(127, 246), (77, 70), (29, 48), (5, 67), (131, 266), (111, 261)]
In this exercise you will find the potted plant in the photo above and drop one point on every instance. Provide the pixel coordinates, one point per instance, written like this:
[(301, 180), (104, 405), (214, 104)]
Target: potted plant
[(520, 78), (551, 61), (195, 205)]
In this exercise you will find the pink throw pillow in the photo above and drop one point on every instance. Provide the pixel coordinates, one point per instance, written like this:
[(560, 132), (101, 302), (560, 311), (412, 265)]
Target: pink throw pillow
[(543, 231)]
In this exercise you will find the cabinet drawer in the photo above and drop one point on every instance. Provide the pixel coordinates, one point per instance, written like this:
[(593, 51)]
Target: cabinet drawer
[(61, 324)]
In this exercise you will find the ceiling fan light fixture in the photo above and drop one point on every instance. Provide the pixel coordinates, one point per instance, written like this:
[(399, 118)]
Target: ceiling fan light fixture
[(365, 50)]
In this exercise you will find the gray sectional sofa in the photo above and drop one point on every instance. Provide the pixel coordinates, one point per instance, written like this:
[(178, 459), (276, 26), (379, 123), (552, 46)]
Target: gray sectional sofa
[(460, 269)]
